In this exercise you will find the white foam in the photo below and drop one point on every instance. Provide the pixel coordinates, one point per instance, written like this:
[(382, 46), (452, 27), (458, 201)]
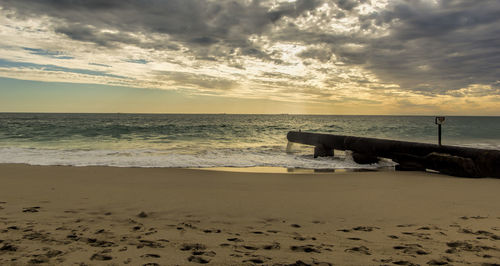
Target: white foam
[(165, 158)]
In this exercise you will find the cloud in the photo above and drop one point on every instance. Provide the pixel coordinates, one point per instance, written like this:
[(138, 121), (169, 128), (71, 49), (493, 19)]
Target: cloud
[(47, 53), (190, 23), (196, 81), (315, 48), (53, 68), (442, 47)]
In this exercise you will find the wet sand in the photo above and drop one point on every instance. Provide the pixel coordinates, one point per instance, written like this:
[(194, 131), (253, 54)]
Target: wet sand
[(139, 216)]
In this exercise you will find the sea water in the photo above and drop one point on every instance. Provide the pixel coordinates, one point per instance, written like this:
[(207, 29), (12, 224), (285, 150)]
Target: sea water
[(215, 140)]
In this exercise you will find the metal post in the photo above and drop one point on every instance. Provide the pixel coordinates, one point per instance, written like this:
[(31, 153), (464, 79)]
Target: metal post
[(439, 120), (439, 134)]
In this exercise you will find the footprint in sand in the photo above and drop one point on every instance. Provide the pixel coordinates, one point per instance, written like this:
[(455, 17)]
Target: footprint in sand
[(473, 217), (480, 233), (360, 249), (359, 228), (149, 243), (42, 236), (406, 225), (53, 253), (412, 249), (256, 261), (424, 236), (8, 247), (136, 228), (383, 260), (151, 231), (234, 239), (306, 248), (250, 247), (45, 258), (299, 263), (187, 225), (204, 253), (198, 259), (299, 237), (39, 259), (31, 209), (307, 263), (100, 243), (429, 228), (208, 231), (441, 261), (321, 263), (457, 246), (365, 228), (156, 256), (272, 246), (73, 237), (187, 247), (404, 262), (99, 256)]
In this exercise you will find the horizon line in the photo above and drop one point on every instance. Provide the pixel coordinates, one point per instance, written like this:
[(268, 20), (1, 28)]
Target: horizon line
[(222, 113)]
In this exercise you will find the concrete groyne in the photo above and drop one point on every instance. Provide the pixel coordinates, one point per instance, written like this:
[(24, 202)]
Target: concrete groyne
[(452, 160)]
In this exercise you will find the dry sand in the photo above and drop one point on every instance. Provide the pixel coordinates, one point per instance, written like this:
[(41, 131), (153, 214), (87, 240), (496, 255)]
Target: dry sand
[(115, 216)]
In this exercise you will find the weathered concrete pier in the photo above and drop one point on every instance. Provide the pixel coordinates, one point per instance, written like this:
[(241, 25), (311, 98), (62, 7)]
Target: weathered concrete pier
[(451, 160)]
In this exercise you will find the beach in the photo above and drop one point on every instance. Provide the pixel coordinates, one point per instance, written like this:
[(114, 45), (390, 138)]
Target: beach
[(168, 216), (273, 132)]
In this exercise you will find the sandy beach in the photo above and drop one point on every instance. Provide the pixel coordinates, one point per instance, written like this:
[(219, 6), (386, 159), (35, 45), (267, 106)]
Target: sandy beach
[(159, 216)]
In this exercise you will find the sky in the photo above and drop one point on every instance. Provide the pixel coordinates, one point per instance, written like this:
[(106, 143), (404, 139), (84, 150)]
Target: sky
[(408, 57)]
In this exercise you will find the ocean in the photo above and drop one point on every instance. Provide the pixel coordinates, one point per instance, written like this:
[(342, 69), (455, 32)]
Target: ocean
[(215, 140)]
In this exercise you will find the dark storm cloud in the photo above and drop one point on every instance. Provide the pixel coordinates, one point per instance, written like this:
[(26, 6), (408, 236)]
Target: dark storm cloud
[(430, 49), (90, 34), (323, 55), (190, 22), (438, 49), (347, 4)]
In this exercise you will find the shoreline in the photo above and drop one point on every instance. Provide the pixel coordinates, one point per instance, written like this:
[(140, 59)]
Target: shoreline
[(285, 170), (120, 215), (236, 169)]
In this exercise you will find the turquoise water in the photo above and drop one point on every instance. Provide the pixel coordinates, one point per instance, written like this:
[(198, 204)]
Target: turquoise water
[(213, 140)]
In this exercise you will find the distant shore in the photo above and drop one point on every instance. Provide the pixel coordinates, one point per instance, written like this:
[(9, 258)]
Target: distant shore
[(170, 216)]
